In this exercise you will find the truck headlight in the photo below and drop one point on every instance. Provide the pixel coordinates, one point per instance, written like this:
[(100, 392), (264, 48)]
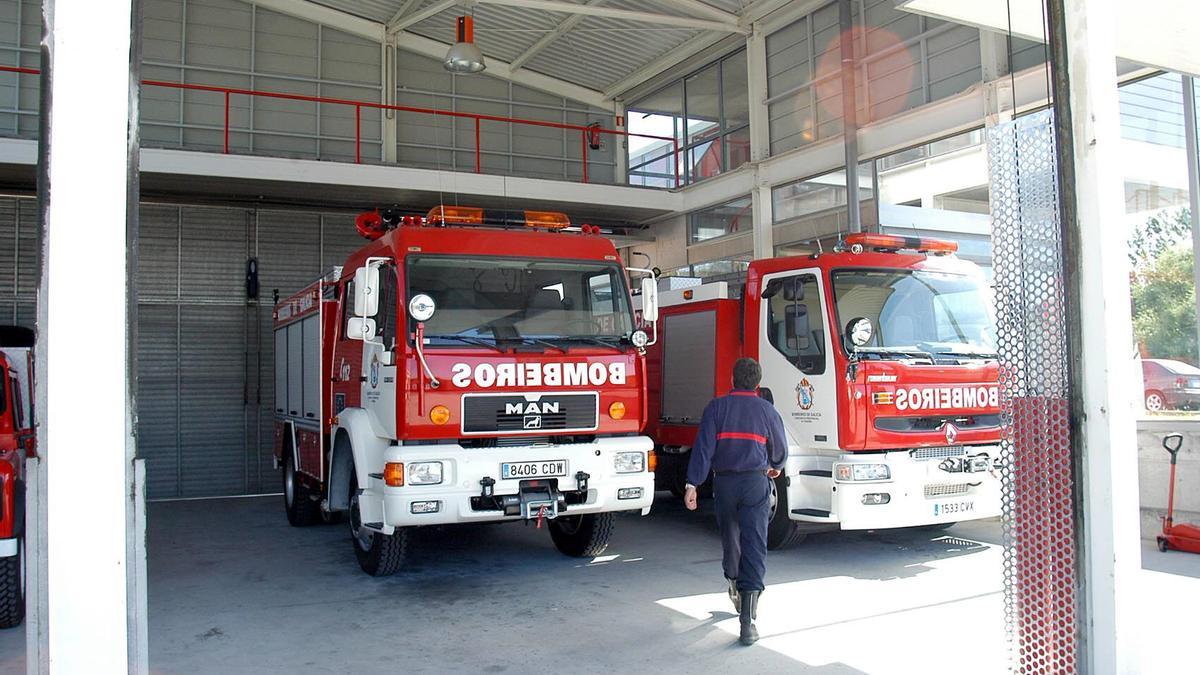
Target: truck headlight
[(853, 472), (424, 473), (629, 462)]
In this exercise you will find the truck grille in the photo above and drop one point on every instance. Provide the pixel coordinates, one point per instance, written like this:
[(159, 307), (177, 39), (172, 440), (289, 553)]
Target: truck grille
[(528, 413), (934, 490)]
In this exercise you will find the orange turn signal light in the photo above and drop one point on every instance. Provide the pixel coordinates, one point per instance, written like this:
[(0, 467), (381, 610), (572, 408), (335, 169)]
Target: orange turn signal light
[(548, 219), (651, 461), (454, 215), (439, 414), (393, 474), (616, 410)]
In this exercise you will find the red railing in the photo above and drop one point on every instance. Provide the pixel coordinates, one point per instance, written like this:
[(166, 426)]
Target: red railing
[(584, 131)]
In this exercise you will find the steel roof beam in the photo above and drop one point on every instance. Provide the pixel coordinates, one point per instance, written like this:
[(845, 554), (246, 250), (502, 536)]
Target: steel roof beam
[(623, 14), (429, 12), (545, 41)]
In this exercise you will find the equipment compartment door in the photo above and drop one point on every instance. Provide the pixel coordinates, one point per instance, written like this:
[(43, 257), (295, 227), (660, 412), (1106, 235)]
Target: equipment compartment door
[(797, 362)]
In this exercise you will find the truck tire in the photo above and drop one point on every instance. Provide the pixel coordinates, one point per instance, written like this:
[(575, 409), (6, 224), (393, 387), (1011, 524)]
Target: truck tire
[(302, 510), (782, 531), (379, 555), (584, 536), (12, 588)]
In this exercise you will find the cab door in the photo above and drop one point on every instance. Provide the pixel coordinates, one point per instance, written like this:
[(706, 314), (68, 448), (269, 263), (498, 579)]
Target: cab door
[(379, 361), (796, 356)]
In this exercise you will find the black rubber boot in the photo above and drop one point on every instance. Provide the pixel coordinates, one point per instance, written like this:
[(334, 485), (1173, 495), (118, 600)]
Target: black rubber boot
[(734, 597), (749, 610)]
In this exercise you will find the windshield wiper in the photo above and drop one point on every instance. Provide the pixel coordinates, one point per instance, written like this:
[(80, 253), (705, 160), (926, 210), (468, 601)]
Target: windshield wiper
[(594, 340), (895, 352), (468, 340), (539, 341)]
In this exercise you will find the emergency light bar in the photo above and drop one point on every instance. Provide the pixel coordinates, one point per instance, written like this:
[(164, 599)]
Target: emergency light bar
[(895, 242), (462, 215)]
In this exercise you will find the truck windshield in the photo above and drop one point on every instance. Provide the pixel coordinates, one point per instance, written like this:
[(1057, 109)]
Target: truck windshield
[(499, 299), (925, 312)]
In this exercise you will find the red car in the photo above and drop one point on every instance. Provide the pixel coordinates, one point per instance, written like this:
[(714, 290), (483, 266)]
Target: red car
[(1170, 385)]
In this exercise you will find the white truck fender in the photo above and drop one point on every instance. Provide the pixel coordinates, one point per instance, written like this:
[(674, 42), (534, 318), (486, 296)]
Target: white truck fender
[(366, 447)]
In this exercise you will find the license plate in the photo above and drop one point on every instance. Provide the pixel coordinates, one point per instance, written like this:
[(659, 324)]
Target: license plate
[(962, 507), (546, 469)]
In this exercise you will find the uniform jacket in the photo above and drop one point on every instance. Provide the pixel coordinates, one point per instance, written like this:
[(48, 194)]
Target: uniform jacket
[(738, 432)]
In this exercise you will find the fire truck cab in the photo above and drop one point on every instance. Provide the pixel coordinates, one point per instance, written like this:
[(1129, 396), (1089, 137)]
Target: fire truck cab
[(16, 445), (452, 372), (881, 359)]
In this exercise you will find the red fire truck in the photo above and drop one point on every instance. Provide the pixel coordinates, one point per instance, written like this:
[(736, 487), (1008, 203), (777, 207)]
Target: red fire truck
[(465, 367), (881, 359), (16, 444)]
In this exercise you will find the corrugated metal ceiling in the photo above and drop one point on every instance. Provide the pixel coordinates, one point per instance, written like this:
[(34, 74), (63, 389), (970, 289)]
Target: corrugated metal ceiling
[(596, 53)]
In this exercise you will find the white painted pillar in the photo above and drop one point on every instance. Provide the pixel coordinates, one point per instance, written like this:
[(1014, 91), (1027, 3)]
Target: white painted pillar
[(1097, 258), (760, 140), (620, 143), (388, 118), (85, 333)]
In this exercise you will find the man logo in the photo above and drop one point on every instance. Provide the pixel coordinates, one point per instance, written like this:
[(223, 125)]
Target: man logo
[(531, 408), (533, 421)]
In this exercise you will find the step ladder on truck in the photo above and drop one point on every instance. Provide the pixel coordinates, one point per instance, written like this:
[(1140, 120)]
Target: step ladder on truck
[(880, 357), (465, 367)]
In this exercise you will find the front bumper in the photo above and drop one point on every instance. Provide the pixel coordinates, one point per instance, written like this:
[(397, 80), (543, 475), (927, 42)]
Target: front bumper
[(8, 547), (463, 469), (919, 492)]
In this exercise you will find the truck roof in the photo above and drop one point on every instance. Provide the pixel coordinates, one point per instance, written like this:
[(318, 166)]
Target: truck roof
[(867, 259), (486, 241)]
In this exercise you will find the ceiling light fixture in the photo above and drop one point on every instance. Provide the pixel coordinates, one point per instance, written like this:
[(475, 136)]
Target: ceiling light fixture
[(464, 56)]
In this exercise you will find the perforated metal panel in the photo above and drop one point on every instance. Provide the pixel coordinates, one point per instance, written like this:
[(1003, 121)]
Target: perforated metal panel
[(1037, 474)]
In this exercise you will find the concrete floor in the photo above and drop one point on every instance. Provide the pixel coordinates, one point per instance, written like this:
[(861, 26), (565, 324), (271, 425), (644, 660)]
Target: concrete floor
[(233, 589)]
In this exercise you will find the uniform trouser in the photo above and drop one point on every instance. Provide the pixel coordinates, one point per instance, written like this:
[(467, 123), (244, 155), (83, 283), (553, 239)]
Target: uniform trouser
[(743, 502)]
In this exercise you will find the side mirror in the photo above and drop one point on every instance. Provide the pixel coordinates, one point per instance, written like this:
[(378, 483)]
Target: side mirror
[(797, 327), (360, 328), (649, 300), (366, 291), (794, 289)]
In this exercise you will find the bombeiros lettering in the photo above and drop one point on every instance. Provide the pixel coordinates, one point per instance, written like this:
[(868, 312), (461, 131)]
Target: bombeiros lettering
[(947, 398), (505, 375)]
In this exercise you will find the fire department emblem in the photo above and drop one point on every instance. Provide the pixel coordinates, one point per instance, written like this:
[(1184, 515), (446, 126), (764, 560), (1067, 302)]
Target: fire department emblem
[(804, 394), (375, 372), (951, 433)]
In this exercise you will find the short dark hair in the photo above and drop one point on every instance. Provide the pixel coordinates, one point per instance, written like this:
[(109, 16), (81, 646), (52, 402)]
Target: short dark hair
[(746, 374)]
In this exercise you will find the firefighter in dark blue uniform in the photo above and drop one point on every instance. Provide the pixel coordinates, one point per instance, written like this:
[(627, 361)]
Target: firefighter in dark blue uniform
[(743, 442)]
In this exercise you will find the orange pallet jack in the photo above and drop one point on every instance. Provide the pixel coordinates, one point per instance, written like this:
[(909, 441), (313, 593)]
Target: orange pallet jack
[(1182, 537)]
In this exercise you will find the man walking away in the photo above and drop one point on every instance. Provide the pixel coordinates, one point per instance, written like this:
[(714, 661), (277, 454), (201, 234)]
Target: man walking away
[(743, 442)]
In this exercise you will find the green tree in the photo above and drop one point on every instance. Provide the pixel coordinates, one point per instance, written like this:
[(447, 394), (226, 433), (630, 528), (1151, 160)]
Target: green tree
[(1160, 232), (1164, 306)]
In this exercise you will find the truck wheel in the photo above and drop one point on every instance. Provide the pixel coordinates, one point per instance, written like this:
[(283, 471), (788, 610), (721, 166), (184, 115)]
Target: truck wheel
[(379, 555), (12, 588), (782, 531), (302, 509), (583, 536)]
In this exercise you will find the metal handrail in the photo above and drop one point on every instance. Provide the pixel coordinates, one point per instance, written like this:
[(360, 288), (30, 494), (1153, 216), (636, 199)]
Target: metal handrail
[(584, 131)]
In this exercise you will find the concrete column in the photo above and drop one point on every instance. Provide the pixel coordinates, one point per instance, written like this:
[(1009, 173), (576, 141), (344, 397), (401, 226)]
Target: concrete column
[(1083, 37), (997, 85), (620, 143), (764, 219), (760, 141), (84, 332), (756, 86)]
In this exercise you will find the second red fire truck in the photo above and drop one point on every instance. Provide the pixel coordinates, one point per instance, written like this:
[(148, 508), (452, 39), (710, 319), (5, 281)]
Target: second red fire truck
[(16, 446), (881, 359), (452, 372)]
